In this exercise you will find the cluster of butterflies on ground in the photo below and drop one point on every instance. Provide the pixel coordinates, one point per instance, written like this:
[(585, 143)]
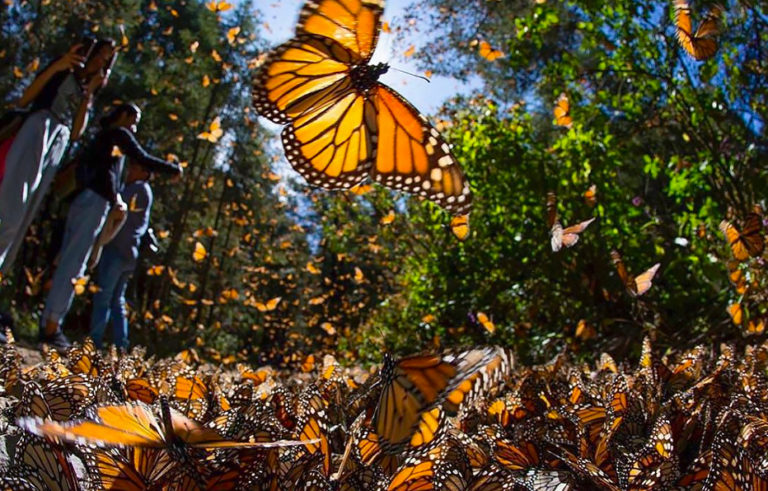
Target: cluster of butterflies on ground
[(464, 420), (342, 127)]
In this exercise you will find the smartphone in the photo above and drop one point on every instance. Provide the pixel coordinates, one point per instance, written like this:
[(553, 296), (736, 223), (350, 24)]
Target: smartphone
[(86, 46)]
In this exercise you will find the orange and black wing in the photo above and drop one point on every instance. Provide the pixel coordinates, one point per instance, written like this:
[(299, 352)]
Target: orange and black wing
[(352, 23), (563, 111), (127, 425), (748, 242), (701, 44), (131, 468), (53, 471), (412, 156), (331, 126)]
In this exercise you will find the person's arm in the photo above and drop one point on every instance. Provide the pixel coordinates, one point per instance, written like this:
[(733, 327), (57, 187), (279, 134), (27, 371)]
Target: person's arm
[(81, 117), (66, 62), (131, 148)]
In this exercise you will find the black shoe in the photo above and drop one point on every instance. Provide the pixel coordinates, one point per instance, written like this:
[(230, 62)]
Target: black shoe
[(57, 340)]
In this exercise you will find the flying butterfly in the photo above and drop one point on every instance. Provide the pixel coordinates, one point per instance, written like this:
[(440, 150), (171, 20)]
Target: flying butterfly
[(488, 52), (563, 111), (343, 126), (214, 131), (134, 425), (415, 391), (562, 236), (636, 285), (702, 44), (749, 242)]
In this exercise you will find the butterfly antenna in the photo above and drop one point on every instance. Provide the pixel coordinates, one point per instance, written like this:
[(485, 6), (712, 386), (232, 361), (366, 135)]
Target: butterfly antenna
[(411, 74)]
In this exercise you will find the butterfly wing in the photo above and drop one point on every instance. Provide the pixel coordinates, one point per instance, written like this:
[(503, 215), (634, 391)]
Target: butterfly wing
[(621, 269), (411, 155), (352, 23), (54, 471), (127, 425), (563, 111), (571, 234), (702, 44), (557, 236), (299, 76), (683, 25), (752, 235), (747, 243), (643, 282), (705, 38), (331, 130)]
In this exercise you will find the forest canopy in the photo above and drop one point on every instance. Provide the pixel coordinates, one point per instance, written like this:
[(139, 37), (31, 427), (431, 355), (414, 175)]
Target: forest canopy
[(659, 149)]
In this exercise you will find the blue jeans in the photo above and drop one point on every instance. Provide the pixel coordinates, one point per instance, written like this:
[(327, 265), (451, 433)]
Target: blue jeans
[(84, 221), (114, 272)]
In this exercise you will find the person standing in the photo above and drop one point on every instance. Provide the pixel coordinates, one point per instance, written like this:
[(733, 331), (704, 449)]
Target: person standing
[(90, 209), (119, 257), (60, 98)]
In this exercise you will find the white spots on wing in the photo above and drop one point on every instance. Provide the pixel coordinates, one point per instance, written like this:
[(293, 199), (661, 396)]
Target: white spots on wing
[(436, 174), (445, 161)]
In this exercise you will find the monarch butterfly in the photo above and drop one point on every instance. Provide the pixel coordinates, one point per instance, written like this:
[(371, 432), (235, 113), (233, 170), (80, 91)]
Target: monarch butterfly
[(590, 195), (49, 466), (84, 359), (134, 425), (140, 389), (130, 469), (191, 395), (342, 125), (312, 421), (656, 465), (747, 242), (568, 236), (702, 44), (408, 414), (59, 399), (636, 285), (589, 470), (563, 111), (489, 53)]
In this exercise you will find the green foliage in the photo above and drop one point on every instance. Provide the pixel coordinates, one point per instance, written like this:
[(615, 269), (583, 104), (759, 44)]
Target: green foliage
[(673, 146)]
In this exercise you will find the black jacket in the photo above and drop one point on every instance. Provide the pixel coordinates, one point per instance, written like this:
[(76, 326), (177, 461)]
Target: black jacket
[(102, 160)]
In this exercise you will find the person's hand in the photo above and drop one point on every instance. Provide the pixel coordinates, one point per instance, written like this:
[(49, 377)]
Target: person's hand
[(177, 178), (70, 60)]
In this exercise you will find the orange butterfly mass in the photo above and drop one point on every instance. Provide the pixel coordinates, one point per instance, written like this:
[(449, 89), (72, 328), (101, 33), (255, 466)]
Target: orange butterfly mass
[(342, 126)]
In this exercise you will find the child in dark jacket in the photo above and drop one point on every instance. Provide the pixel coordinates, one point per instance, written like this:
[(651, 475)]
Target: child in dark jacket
[(119, 257)]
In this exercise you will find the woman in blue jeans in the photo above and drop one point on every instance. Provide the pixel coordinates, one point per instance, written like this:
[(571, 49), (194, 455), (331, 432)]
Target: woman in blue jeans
[(59, 99), (119, 257), (102, 161)]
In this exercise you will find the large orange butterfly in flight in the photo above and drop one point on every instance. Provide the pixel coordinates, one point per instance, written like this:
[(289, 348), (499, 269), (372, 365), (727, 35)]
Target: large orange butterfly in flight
[(702, 44), (343, 126)]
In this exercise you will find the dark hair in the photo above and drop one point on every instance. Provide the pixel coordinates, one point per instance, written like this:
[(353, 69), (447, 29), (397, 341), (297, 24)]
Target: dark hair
[(100, 44), (118, 111)]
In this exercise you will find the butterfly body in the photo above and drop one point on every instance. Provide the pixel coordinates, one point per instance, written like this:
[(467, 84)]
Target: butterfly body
[(364, 77), (342, 126)]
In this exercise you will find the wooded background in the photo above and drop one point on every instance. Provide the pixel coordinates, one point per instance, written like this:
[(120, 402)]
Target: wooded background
[(672, 146)]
